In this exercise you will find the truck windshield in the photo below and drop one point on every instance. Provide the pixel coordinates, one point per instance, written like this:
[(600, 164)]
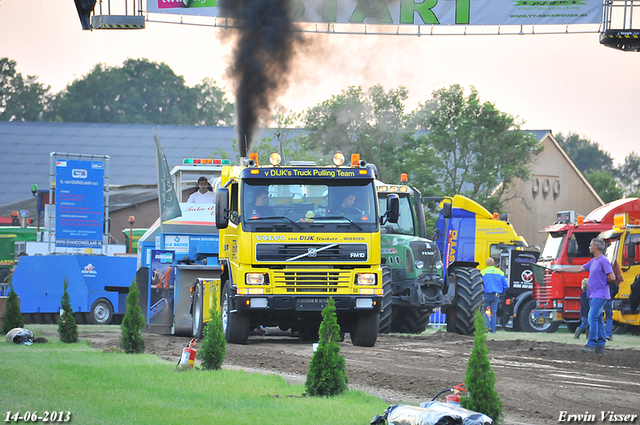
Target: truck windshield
[(552, 245), (405, 224), (611, 251), (309, 207)]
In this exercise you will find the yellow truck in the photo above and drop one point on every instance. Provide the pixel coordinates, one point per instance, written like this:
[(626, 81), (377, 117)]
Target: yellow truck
[(291, 237), (623, 247)]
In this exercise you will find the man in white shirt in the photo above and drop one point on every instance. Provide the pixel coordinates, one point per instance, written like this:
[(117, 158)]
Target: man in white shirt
[(203, 195)]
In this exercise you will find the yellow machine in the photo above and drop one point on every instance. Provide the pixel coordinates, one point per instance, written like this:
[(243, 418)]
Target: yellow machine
[(622, 247), (293, 236)]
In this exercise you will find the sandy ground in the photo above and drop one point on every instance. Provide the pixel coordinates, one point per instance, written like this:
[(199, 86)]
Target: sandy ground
[(536, 381)]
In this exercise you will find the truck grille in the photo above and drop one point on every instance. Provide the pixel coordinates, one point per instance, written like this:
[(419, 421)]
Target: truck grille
[(301, 281), (542, 292), (330, 253)]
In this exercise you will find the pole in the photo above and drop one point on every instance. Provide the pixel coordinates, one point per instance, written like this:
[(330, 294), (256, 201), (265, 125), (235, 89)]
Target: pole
[(132, 220)]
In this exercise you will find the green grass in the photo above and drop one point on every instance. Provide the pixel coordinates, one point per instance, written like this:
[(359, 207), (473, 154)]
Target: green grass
[(118, 388)]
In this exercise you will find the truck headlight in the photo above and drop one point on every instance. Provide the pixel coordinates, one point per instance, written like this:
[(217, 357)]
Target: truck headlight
[(254, 279), (419, 264), (366, 278), (438, 264)]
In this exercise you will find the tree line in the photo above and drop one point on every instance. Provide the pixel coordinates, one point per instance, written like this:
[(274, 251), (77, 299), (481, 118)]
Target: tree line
[(452, 143)]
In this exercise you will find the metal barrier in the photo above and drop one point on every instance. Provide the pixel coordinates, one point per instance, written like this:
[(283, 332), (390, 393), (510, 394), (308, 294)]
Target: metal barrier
[(438, 318)]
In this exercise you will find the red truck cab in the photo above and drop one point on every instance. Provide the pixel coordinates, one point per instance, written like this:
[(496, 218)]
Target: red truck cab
[(567, 244)]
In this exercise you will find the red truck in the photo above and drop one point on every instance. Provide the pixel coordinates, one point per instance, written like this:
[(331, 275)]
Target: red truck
[(558, 294)]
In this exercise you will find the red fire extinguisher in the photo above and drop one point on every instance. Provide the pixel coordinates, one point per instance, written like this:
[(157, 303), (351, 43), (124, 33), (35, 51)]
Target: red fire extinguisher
[(454, 398), (188, 354)]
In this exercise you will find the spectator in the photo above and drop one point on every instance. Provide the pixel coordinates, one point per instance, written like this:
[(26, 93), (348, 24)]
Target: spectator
[(203, 195), (584, 312), (495, 283), (600, 274)]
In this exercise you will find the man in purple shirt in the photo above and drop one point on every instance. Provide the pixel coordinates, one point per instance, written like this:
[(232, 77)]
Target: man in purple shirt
[(600, 274)]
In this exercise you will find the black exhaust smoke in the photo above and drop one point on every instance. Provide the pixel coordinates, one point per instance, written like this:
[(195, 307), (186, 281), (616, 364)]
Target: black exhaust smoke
[(261, 59)]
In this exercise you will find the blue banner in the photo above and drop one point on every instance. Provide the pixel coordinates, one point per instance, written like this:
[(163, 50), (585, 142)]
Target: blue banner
[(79, 203)]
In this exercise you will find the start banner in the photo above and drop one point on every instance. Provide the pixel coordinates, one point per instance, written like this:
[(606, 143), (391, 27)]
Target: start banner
[(415, 12)]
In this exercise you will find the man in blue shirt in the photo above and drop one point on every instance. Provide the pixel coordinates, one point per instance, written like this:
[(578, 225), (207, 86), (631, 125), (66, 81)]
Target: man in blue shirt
[(494, 285), (600, 274)]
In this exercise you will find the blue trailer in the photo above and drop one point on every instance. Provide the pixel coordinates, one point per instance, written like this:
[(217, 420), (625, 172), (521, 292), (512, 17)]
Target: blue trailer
[(98, 286)]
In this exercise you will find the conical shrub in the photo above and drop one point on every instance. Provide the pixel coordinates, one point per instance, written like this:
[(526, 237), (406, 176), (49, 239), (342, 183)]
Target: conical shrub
[(213, 348), (480, 379), (131, 340), (327, 376), (12, 316), (67, 326)]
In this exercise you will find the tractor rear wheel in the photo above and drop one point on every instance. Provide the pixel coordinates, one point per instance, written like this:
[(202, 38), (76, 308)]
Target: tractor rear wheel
[(469, 297)]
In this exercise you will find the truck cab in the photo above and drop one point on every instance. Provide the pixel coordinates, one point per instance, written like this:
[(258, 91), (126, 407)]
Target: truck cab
[(567, 244), (623, 248), (291, 236)]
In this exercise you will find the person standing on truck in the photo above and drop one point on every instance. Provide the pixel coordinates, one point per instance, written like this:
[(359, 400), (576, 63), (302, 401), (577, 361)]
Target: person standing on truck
[(495, 283), (203, 195), (600, 274)]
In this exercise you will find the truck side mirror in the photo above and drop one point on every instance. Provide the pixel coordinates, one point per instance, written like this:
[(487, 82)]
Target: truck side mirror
[(222, 208), (393, 208), (446, 210)]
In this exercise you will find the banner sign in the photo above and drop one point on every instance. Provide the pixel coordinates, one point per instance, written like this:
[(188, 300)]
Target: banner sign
[(415, 12), (520, 273), (79, 203)]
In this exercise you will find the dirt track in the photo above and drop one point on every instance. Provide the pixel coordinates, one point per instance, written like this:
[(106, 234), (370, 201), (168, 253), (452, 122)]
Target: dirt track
[(536, 381)]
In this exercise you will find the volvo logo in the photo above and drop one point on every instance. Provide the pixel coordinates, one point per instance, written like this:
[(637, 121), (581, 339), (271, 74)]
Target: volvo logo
[(313, 252)]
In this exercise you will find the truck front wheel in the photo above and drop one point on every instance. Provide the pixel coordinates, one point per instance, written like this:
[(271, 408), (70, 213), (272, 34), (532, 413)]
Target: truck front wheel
[(469, 296), (236, 326), (101, 312), (526, 320), (365, 330)]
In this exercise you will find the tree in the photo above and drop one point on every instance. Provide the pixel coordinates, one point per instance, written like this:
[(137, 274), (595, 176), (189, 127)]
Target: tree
[(131, 340), (213, 349), (326, 375), (605, 184), (480, 379), (286, 142), (67, 326), (140, 92), (481, 151), (371, 123), (586, 154), (21, 98), (213, 107), (12, 316), (629, 174)]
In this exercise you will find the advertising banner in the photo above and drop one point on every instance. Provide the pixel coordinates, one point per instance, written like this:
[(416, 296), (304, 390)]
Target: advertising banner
[(161, 287), (415, 12), (520, 272), (79, 203)]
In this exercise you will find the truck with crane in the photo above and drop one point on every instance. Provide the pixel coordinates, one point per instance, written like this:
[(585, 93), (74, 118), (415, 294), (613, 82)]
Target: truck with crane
[(567, 244)]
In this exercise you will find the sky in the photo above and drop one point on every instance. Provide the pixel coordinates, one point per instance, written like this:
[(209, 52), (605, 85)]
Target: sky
[(564, 83)]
